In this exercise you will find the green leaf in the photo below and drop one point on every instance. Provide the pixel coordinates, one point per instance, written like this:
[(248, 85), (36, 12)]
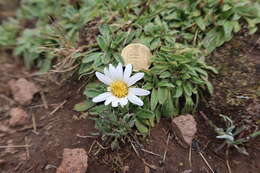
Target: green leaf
[(237, 26), (178, 92), (228, 28), (92, 92), (91, 57), (189, 104), (118, 58), (168, 107), (141, 127), (102, 43), (144, 114), (148, 86), (187, 88), (213, 39), (83, 106), (156, 43), (165, 74), (162, 94), (165, 83), (211, 69), (226, 7), (105, 58), (154, 99), (202, 72), (104, 30), (149, 28), (210, 87), (97, 110), (201, 23)]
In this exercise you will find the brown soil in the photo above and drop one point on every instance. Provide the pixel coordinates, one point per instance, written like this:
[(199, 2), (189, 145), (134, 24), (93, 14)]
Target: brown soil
[(239, 75)]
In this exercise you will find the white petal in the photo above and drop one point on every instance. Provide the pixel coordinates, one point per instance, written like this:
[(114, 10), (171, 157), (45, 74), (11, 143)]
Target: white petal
[(139, 91), (127, 72), (123, 101), (119, 71), (132, 80), (110, 100), (115, 103), (105, 79), (135, 100), (101, 97), (106, 72), (112, 71)]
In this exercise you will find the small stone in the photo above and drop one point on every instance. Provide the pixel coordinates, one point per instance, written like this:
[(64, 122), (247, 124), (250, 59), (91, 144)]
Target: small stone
[(23, 90), (18, 117), (74, 160), (185, 127)]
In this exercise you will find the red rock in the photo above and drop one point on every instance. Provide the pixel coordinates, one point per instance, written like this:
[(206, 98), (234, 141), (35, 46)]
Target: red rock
[(185, 127), (74, 161), (18, 117), (23, 90)]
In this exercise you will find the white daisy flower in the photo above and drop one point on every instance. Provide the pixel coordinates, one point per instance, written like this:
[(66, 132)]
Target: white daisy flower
[(119, 89)]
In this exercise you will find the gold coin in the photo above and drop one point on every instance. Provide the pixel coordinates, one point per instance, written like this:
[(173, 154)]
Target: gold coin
[(138, 55)]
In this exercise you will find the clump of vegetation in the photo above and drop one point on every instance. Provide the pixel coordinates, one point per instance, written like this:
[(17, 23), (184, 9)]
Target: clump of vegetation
[(231, 134), (180, 34)]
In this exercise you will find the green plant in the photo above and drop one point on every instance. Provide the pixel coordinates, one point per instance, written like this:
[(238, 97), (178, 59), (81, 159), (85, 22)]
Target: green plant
[(177, 81), (116, 124), (28, 46), (110, 43), (9, 31), (231, 134)]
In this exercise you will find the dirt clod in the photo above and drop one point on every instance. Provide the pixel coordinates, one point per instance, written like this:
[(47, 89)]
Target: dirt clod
[(185, 127), (23, 90), (74, 160), (18, 117)]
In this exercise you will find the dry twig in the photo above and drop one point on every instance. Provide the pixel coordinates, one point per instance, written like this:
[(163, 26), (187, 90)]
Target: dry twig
[(58, 107), (227, 161), (207, 163), (87, 136), (34, 125), (14, 146), (190, 157), (45, 104), (166, 150), (150, 152), (27, 148)]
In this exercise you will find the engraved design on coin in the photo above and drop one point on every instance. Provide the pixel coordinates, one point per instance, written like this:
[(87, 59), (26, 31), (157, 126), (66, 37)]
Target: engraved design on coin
[(138, 55)]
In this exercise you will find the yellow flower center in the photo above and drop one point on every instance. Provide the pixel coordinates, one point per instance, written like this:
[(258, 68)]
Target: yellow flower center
[(119, 89)]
